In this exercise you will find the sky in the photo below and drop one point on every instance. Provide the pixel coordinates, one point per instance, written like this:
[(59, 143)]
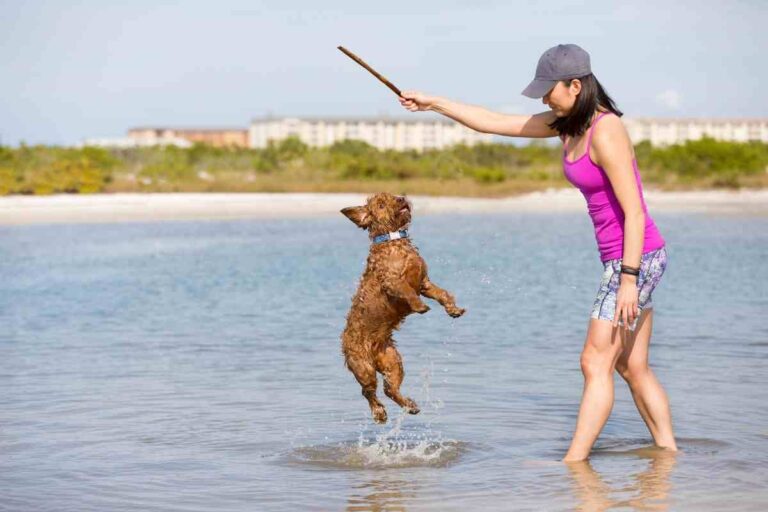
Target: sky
[(77, 69)]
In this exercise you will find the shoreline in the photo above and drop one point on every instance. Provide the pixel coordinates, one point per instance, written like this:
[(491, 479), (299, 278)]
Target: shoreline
[(123, 207)]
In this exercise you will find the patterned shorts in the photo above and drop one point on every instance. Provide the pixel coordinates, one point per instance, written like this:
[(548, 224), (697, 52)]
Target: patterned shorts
[(652, 265)]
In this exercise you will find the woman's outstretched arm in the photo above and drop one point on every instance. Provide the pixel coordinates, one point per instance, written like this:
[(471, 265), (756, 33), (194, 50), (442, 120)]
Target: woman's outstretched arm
[(482, 119)]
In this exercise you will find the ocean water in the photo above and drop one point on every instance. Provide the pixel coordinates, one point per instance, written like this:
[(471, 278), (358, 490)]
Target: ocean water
[(195, 366)]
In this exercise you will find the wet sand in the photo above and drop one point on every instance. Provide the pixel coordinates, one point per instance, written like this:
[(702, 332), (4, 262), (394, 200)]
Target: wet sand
[(183, 206)]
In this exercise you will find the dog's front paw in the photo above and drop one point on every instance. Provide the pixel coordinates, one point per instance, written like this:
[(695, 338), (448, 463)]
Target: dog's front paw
[(455, 311), (421, 308)]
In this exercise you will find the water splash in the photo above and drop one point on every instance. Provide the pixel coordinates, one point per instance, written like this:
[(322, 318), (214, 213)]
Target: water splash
[(400, 444), (394, 448)]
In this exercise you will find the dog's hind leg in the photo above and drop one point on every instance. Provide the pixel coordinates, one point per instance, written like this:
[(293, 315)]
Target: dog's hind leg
[(390, 364), (365, 374)]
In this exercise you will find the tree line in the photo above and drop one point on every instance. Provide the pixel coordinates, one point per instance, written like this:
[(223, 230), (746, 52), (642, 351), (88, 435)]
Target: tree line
[(292, 165)]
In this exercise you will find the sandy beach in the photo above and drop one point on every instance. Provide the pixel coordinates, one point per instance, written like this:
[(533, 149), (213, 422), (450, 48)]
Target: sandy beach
[(159, 207)]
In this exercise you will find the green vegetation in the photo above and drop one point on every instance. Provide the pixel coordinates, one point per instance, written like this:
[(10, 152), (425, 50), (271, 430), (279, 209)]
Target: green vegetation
[(290, 165), (705, 162), (47, 170)]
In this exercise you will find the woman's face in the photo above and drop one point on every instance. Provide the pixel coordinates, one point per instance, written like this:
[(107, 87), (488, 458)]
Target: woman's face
[(562, 97)]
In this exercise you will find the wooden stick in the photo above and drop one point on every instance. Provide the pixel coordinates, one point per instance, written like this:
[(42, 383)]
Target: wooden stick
[(370, 69)]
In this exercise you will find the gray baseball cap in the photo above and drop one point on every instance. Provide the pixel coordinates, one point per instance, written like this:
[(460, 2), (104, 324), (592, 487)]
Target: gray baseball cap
[(561, 62)]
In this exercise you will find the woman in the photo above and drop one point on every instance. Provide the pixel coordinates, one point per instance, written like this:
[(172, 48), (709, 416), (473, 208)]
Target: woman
[(598, 158)]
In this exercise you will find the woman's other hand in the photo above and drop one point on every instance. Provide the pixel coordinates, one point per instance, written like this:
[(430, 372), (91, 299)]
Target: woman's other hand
[(416, 101), (626, 302)]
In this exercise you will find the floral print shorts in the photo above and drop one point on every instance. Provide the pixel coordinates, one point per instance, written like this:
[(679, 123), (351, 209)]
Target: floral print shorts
[(652, 265)]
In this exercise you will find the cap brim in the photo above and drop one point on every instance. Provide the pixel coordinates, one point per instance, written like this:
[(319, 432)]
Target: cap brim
[(538, 88)]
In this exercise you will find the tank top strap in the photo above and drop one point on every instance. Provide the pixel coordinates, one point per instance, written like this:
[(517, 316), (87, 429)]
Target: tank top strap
[(592, 129)]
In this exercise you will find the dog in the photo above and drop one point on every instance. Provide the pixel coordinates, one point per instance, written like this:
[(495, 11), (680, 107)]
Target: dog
[(395, 277)]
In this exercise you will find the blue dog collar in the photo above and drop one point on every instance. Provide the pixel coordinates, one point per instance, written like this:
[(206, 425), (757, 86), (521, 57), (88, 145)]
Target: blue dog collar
[(394, 235)]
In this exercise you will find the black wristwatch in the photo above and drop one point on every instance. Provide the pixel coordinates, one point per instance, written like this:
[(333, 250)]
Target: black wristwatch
[(630, 270)]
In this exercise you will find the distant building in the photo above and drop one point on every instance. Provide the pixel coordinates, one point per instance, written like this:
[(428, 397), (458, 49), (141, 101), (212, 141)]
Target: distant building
[(134, 142), (417, 133), (382, 133), (226, 137), (664, 132)]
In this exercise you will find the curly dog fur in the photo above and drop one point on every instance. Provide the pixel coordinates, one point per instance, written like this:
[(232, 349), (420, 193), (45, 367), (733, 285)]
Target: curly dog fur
[(395, 277)]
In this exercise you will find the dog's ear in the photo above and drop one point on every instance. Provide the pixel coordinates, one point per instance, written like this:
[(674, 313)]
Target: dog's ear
[(359, 215)]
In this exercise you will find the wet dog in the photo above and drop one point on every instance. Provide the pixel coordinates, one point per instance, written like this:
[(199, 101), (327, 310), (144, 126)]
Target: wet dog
[(393, 282)]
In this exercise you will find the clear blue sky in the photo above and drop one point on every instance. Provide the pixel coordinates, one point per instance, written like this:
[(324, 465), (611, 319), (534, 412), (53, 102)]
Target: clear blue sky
[(75, 69)]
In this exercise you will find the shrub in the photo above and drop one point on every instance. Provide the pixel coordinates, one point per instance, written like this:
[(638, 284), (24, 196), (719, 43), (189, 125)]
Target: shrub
[(488, 175)]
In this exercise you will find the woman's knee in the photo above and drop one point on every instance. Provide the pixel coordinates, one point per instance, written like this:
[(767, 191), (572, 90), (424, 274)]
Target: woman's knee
[(601, 349), (632, 371), (596, 363)]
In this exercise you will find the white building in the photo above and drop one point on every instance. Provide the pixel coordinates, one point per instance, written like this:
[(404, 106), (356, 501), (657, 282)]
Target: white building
[(420, 132), (135, 142), (382, 133), (663, 132)]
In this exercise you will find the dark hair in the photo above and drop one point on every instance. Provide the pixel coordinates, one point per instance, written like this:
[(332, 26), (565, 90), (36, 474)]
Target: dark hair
[(591, 96)]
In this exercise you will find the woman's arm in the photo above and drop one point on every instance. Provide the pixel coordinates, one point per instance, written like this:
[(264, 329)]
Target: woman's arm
[(481, 119), (613, 152)]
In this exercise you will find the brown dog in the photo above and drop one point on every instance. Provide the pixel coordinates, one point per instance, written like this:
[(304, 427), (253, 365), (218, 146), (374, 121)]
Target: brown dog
[(394, 278)]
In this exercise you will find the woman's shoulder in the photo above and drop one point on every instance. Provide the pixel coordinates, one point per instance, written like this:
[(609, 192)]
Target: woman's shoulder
[(611, 132), (607, 116), (610, 126)]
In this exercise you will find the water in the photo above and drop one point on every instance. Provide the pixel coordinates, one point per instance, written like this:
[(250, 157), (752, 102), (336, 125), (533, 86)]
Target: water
[(188, 366)]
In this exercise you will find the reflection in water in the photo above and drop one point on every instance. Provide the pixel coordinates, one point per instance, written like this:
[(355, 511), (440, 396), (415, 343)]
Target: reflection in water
[(649, 491), (381, 492)]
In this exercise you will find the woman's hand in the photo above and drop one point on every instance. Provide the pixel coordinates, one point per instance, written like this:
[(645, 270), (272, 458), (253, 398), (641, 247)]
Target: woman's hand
[(626, 302), (416, 101), (481, 119)]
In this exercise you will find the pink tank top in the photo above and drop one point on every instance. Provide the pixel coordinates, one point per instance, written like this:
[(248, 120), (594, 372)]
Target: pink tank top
[(604, 208)]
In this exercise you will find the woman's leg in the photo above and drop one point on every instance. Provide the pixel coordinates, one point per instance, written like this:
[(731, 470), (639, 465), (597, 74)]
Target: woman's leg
[(649, 396), (602, 348)]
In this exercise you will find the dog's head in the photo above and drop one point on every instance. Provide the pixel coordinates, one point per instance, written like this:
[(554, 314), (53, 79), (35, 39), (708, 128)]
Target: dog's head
[(382, 213)]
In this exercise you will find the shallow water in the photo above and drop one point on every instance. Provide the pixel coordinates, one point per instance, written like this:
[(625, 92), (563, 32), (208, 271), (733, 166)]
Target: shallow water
[(187, 366)]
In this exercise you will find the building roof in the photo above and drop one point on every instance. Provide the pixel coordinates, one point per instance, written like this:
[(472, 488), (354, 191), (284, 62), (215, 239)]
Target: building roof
[(698, 119), (189, 129), (362, 119)]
